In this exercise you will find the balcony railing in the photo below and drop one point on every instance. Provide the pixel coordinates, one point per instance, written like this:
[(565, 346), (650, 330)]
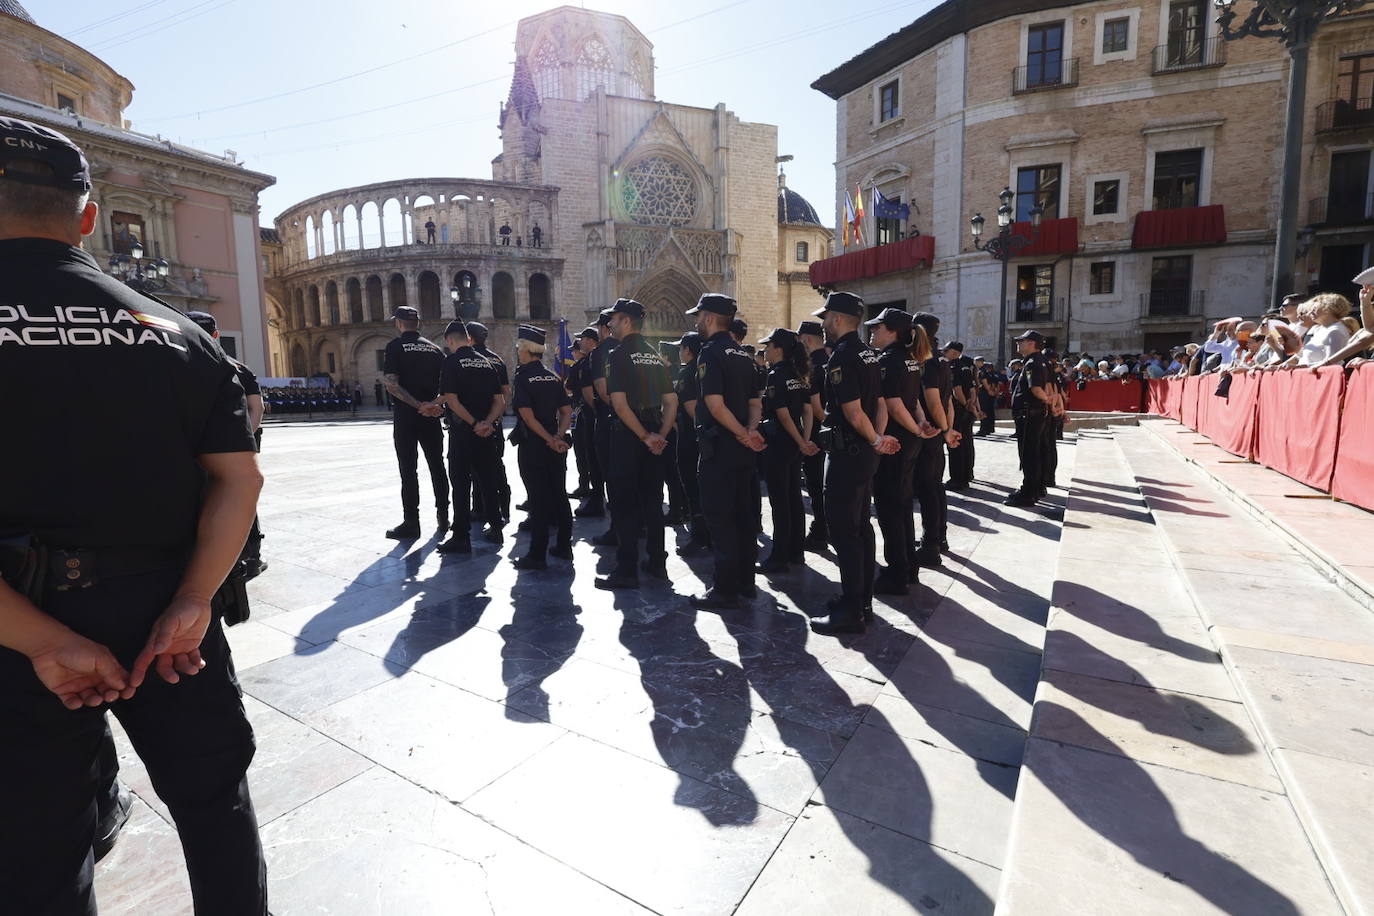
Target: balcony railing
[(1173, 303), (1059, 74), (1030, 312), (1179, 56), (1341, 210), (1345, 114)]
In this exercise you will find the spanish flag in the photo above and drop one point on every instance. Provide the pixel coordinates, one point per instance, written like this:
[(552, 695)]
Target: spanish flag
[(858, 213), (153, 321), (848, 216)]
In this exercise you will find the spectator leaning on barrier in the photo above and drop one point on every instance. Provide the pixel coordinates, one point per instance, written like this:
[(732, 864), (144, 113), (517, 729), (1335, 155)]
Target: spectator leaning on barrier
[(1362, 340), (1328, 334)]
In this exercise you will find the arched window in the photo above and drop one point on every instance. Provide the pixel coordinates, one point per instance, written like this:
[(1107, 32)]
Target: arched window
[(429, 296), (374, 299), (656, 191), (594, 69), (298, 311), (298, 366), (331, 301), (548, 72), (310, 251), (541, 302), (354, 293), (351, 240), (638, 87), (372, 225), (398, 291), (313, 306), (502, 295), (327, 232)]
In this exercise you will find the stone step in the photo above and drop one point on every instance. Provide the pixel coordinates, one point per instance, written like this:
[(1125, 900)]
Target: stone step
[(1299, 648), (1145, 786)]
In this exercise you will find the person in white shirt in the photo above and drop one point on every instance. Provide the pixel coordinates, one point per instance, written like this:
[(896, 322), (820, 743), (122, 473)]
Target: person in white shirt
[(1328, 334), (1362, 340), (1224, 339)]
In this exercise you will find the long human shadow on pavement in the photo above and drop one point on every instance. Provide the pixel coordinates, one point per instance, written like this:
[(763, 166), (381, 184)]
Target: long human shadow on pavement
[(1125, 806), (539, 639), (1125, 620)]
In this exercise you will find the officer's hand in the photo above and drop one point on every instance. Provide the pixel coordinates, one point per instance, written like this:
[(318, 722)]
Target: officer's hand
[(558, 445), (483, 429), (809, 448), (953, 437), (929, 430), (81, 672), (655, 443), (887, 445), (754, 440), (174, 642)]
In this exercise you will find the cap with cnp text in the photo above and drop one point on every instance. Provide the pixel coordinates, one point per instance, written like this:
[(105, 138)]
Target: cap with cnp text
[(844, 303), (38, 155), (716, 303)]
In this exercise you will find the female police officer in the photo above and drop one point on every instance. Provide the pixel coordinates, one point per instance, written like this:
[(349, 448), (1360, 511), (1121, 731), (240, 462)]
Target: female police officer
[(543, 407), (786, 427)]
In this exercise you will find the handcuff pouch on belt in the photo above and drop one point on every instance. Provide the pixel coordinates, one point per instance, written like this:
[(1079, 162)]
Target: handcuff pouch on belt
[(836, 440), (24, 565)]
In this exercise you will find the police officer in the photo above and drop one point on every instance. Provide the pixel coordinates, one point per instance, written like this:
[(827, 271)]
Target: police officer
[(988, 386), (1030, 406), (580, 449), (545, 414), (252, 549), (478, 332), (106, 580), (678, 510), (688, 393), (961, 456), (597, 374), (584, 397), (937, 384), (470, 385), (410, 369), (786, 428), (727, 418), (812, 336), (1054, 426), (855, 411), (899, 364), (645, 406)]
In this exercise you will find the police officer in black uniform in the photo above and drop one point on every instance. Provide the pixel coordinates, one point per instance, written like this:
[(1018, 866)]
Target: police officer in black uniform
[(1054, 426), (109, 568), (988, 382), (581, 448), (478, 332), (410, 369), (584, 429), (961, 456), (937, 383), (470, 385), (544, 412), (597, 374), (645, 406), (688, 393), (1030, 405), (812, 335), (786, 428), (727, 418), (855, 412)]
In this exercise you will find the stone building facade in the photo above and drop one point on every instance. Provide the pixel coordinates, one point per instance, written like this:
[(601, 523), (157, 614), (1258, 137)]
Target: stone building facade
[(1153, 146), (632, 196), (802, 240), (196, 210)]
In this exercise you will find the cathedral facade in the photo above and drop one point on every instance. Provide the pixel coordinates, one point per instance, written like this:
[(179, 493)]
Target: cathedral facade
[(600, 190)]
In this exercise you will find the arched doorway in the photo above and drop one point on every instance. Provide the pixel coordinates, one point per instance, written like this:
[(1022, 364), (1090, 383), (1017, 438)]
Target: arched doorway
[(429, 296), (541, 298), (469, 296), (502, 295), (398, 291), (375, 312), (299, 368), (354, 293)]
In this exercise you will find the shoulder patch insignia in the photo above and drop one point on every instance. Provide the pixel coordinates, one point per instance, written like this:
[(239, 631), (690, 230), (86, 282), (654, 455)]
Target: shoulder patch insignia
[(836, 376), (701, 371)]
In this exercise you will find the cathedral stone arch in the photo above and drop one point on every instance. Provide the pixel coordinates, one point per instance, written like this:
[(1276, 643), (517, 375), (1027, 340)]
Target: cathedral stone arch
[(595, 68), (548, 71)]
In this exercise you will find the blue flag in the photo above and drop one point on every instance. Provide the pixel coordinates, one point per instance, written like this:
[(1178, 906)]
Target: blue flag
[(565, 349), (887, 209)]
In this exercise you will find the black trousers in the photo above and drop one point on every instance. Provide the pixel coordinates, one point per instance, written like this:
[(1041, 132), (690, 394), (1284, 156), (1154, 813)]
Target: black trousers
[(544, 472), (502, 485), (929, 489), (893, 489), (814, 469), (192, 736), (603, 457), (1031, 449), (961, 457), (411, 432), (473, 460), (672, 477), (584, 441), (636, 487), (687, 457), (988, 403), (580, 456), (782, 471), (849, 501), (1054, 431), (730, 501)]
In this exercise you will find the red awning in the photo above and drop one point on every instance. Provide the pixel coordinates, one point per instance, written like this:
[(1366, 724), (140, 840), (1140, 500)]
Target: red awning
[(1057, 236), (1180, 228), (871, 262)]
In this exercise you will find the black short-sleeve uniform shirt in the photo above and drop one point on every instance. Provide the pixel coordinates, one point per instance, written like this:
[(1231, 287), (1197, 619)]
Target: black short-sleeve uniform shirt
[(246, 378), (785, 391), (725, 368), (542, 392), (577, 380), (852, 374), (416, 363), (473, 378), (128, 477), (636, 370), (1033, 374), (936, 373), (818, 360), (597, 371), (688, 388), (901, 375), (496, 361)]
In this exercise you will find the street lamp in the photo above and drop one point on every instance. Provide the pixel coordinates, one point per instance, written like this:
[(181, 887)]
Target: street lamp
[(143, 274), (453, 295), (1004, 247), (1295, 24)]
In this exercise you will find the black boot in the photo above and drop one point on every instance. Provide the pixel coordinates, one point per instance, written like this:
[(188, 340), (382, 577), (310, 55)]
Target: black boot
[(406, 531)]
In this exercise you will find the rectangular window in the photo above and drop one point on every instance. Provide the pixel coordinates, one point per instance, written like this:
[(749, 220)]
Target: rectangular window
[(889, 230), (1347, 197), (125, 230), (66, 103), (1102, 279), (1106, 197), (1037, 185), (1171, 285), (1034, 292), (1045, 55), (1187, 32), (329, 360), (888, 102), (266, 266), (1116, 35), (1355, 79), (803, 252), (1178, 178)]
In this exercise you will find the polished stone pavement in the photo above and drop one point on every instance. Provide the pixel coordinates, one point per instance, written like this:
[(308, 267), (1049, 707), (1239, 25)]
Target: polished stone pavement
[(449, 735)]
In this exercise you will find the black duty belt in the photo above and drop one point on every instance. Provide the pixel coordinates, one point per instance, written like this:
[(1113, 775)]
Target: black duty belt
[(79, 567)]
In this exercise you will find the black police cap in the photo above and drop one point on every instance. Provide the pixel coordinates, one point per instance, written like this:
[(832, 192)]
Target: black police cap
[(691, 340), (59, 162), (477, 330), (627, 307), (590, 333), (928, 322), (781, 337), (955, 345), (603, 317), (405, 313), (206, 321), (844, 303), (1032, 335), (739, 327), (717, 303), (814, 328), (455, 327), (895, 319), (531, 333)]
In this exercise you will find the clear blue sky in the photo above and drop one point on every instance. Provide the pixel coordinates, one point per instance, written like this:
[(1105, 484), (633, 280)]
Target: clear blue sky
[(440, 71)]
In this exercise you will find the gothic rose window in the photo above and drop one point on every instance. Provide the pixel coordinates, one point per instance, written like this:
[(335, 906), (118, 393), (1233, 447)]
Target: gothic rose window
[(656, 191)]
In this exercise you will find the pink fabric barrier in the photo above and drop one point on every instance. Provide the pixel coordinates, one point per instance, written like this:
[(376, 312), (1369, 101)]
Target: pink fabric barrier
[(1299, 424), (1187, 408), (1157, 397), (1231, 422), (1354, 479), (1108, 397)]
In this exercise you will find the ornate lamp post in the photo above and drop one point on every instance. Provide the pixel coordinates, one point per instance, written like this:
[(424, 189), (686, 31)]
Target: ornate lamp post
[(1004, 247), (1295, 24), (145, 275)]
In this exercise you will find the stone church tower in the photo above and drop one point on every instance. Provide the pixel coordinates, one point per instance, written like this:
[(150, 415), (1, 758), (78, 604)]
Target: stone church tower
[(656, 201)]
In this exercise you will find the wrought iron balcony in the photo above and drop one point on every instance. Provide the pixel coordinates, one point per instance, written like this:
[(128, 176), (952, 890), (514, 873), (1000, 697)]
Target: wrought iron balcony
[(1028, 311), (1345, 114), (1038, 77), (1173, 303), (1180, 56), (1341, 210)]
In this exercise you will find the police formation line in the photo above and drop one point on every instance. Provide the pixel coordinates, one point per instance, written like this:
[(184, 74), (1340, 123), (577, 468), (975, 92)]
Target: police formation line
[(858, 426)]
